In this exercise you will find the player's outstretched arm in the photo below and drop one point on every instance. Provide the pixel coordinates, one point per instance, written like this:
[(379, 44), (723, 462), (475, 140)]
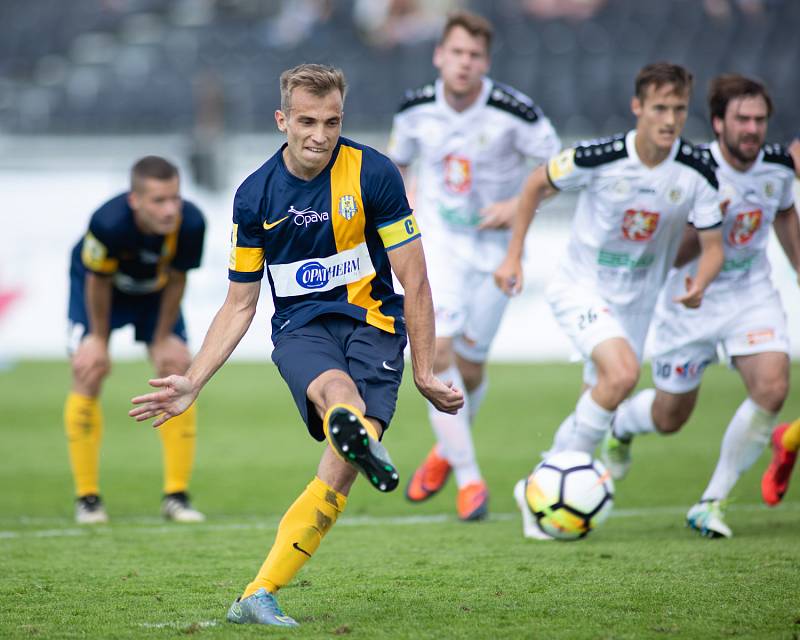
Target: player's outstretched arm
[(708, 266), (177, 393), (408, 264), (508, 276), (787, 228)]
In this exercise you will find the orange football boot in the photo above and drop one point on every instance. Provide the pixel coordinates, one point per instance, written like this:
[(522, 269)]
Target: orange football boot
[(429, 478), (472, 501)]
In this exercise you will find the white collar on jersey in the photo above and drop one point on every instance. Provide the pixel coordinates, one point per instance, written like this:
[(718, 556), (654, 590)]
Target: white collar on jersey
[(480, 101), (630, 145)]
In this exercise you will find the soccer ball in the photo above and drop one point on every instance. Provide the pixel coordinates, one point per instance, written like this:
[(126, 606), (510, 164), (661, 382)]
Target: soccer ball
[(570, 494)]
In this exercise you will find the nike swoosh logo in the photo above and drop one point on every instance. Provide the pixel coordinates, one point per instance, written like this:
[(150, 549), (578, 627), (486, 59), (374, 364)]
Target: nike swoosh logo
[(269, 225), (386, 366), (295, 545)]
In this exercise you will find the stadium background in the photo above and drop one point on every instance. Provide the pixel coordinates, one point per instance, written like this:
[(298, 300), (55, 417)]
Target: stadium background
[(88, 86)]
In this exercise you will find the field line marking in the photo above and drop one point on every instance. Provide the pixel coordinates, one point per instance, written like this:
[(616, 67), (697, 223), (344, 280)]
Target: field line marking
[(146, 525)]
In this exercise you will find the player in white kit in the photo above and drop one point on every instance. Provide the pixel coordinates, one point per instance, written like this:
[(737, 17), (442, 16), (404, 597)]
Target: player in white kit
[(639, 190), (741, 313), (472, 138)]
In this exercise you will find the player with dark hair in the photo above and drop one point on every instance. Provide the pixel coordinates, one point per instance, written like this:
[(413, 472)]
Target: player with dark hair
[(473, 138), (742, 312), (130, 268), (639, 190), (328, 221)]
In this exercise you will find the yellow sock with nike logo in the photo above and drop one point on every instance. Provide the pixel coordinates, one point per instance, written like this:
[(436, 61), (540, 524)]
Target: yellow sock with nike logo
[(299, 534), (178, 441), (83, 423), (791, 437)]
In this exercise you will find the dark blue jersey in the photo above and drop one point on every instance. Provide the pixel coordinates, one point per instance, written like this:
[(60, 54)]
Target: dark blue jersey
[(138, 262), (324, 241)]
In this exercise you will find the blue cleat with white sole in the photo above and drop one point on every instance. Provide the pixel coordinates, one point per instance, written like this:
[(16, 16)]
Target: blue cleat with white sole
[(259, 608)]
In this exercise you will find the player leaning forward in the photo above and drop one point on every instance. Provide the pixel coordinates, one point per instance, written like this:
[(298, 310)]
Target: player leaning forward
[(329, 220), (472, 137), (131, 268), (741, 312), (639, 190)]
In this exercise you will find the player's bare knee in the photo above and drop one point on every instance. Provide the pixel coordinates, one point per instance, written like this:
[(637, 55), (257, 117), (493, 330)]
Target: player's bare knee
[(444, 357), (88, 382), (769, 392), (622, 380), (669, 415), (472, 373)]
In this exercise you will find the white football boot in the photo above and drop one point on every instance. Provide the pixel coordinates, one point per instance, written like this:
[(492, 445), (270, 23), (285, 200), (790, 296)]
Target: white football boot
[(176, 507), (708, 518), (530, 528)]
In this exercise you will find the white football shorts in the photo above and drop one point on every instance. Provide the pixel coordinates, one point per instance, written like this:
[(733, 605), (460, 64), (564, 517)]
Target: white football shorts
[(686, 341), (588, 319)]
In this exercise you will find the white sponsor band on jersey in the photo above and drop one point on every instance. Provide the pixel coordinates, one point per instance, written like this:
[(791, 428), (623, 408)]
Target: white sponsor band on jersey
[(321, 274)]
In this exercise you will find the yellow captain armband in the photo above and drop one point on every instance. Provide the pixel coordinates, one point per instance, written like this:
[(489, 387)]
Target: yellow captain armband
[(399, 232), (561, 165), (244, 259), (94, 255)]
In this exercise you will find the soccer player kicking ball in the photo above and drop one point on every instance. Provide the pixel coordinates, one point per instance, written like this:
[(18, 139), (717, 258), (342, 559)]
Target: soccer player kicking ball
[(639, 190), (330, 221), (130, 268), (741, 312), (472, 137)]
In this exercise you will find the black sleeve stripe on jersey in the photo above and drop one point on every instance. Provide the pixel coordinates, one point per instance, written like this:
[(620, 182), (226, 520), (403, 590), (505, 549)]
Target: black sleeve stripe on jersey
[(700, 160), (597, 152), (510, 101), (777, 154), (415, 97)]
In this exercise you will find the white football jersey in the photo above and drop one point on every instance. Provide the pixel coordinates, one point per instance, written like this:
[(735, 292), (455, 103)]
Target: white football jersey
[(754, 198), (630, 218), (468, 159)]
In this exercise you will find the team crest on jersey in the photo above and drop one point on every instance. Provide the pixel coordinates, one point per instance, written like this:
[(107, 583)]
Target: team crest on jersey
[(457, 173), (769, 189), (347, 207), (639, 225), (675, 195), (744, 227)]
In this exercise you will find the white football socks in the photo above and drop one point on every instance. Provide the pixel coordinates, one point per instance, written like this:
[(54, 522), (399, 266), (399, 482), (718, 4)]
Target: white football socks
[(635, 416), (583, 430), (453, 434), (745, 438), (475, 399)]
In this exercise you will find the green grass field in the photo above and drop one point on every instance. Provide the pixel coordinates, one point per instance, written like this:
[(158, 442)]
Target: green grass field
[(388, 569)]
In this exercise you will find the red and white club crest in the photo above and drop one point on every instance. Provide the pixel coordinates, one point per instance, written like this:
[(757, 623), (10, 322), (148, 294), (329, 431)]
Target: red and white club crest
[(744, 227), (638, 225), (457, 173)]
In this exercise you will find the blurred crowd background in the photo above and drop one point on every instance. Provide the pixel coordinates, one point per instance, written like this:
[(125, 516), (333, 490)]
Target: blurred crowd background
[(203, 66), (88, 86)]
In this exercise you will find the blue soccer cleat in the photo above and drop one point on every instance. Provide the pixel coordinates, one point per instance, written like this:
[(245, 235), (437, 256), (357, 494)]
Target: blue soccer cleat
[(259, 608)]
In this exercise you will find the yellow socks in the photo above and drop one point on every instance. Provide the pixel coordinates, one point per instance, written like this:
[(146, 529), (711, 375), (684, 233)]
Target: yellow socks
[(83, 423), (791, 437), (299, 534), (179, 439)]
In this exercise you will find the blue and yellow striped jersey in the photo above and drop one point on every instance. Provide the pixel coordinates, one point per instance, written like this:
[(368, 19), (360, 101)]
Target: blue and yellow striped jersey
[(323, 242), (138, 262)]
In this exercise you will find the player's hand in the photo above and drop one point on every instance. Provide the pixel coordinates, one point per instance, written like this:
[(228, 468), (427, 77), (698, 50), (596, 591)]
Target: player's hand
[(176, 395), (693, 296), (508, 276), (499, 215), (91, 361), (442, 395)]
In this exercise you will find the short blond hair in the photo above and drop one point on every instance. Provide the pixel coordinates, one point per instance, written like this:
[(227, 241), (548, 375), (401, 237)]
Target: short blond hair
[(319, 79)]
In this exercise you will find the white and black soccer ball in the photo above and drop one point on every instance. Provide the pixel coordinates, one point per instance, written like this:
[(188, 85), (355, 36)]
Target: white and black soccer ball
[(570, 494)]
